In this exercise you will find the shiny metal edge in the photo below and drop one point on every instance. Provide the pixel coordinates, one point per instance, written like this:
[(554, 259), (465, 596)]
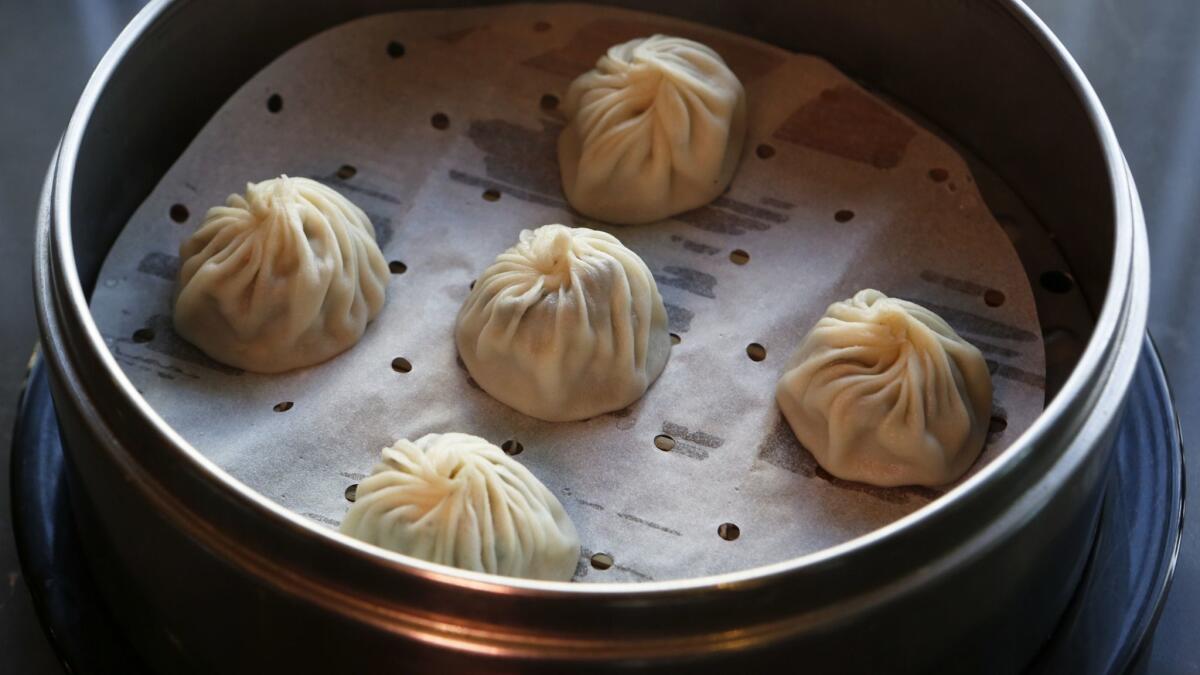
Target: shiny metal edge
[(1159, 600)]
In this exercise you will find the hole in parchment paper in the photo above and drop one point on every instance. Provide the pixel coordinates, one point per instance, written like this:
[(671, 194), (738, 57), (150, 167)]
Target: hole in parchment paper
[(491, 195), (764, 151), (511, 447), (346, 172), (602, 561), (997, 424), (284, 406), (1063, 349), (885, 158), (1010, 225), (549, 102), (179, 213), (142, 335), (675, 339), (1063, 346), (739, 257), (352, 492), (397, 267), (664, 442), (401, 365), (844, 216), (395, 49), (938, 175), (729, 531), (439, 121), (993, 297), (541, 26), (756, 352), (275, 103), (1057, 282)]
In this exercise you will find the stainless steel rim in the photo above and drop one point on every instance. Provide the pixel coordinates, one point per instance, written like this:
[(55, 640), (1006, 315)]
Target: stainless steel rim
[(1105, 364)]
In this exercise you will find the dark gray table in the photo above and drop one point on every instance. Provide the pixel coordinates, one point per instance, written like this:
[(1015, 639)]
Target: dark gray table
[(1142, 56)]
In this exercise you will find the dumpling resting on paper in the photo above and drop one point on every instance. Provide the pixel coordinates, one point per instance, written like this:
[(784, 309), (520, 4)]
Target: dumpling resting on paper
[(883, 391), (283, 277), (458, 500), (565, 325), (655, 129)]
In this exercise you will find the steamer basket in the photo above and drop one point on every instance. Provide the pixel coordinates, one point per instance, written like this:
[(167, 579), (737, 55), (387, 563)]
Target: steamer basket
[(206, 575)]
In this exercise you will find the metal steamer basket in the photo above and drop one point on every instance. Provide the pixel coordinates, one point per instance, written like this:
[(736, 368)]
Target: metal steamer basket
[(206, 575)]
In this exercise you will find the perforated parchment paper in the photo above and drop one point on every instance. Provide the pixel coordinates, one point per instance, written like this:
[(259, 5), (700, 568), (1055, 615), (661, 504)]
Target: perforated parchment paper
[(442, 127)]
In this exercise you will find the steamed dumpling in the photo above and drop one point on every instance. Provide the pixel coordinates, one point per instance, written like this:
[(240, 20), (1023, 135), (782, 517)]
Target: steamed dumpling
[(656, 128), (458, 500), (568, 324), (286, 276), (883, 391)]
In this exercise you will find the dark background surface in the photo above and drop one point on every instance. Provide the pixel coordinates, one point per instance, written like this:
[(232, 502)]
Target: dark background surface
[(1143, 57)]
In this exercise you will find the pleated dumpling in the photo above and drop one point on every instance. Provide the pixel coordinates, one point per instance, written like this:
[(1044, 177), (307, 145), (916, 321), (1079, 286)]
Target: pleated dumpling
[(565, 325), (286, 276), (655, 129), (458, 500), (883, 391)]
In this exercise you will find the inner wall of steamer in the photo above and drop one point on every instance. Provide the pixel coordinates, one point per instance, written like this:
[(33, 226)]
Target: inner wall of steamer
[(978, 77)]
